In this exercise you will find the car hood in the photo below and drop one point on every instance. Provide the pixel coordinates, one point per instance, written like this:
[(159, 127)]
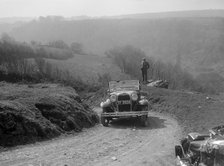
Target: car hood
[(196, 146), (122, 92)]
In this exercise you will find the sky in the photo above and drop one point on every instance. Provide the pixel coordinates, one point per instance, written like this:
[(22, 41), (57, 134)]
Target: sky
[(69, 8)]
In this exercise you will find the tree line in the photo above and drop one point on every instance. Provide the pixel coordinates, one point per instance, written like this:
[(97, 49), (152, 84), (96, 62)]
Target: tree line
[(20, 62)]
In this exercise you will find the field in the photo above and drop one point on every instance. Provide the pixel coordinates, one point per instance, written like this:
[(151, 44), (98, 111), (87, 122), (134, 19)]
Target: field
[(89, 67)]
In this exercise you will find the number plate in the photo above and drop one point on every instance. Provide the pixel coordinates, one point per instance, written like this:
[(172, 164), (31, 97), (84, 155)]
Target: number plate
[(124, 102)]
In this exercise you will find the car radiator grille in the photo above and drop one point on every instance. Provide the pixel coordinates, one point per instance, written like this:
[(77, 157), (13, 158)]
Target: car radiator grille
[(124, 107), (123, 97)]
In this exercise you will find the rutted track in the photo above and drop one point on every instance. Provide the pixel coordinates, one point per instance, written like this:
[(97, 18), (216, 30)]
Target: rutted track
[(124, 141)]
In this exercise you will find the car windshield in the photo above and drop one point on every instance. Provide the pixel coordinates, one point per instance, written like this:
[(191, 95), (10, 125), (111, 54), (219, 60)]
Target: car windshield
[(123, 85)]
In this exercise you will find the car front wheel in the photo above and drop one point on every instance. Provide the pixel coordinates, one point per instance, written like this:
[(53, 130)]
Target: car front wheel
[(144, 121), (105, 121)]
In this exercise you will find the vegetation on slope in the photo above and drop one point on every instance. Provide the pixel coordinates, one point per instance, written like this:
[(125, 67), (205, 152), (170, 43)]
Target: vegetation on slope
[(22, 62), (195, 112)]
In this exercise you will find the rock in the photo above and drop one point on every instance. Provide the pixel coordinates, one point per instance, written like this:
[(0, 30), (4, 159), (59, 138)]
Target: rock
[(155, 100), (114, 158), (158, 84), (208, 98)]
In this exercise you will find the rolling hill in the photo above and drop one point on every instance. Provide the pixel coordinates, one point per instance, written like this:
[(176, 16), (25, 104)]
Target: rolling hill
[(194, 39)]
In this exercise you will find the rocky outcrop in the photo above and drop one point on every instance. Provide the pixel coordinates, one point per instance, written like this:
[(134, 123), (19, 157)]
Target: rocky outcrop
[(41, 111)]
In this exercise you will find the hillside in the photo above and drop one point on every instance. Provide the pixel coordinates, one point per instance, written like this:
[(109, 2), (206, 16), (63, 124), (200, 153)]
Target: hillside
[(192, 40), (195, 112), (173, 114), (175, 14), (90, 67), (195, 42), (15, 19), (35, 112)]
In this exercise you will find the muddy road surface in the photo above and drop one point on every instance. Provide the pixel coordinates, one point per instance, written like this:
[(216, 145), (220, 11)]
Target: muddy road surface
[(125, 142)]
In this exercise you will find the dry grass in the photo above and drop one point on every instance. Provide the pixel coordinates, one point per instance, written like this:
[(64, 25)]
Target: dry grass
[(87, 67), (194, 111)]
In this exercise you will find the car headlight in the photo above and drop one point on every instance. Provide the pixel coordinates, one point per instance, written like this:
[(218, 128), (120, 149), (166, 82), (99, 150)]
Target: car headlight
[(113, 98), (101, 104), (134, 96)]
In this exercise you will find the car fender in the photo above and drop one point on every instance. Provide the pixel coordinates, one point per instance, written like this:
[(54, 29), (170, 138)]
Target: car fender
[(107, 103), (143, 102), (180, 162)]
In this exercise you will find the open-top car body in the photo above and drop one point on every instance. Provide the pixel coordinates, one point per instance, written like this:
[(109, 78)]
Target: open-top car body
[(125, 100), (202, 150)]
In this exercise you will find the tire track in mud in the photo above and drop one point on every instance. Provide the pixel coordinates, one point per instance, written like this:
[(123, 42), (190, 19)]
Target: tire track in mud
[(124, 140)]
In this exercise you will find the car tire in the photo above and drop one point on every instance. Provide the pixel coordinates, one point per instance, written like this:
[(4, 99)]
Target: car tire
[(105, 121), (178, 151), (144, 121)]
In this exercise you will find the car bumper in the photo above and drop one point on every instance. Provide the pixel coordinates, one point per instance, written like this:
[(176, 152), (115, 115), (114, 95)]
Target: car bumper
[(180, 162), (125, 114)]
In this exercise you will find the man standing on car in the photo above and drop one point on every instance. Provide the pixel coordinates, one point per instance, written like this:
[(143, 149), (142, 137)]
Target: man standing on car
[(144, 68)]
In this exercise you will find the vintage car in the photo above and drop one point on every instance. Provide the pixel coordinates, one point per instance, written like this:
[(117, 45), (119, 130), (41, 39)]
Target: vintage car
[(201, 150), (125, 100)]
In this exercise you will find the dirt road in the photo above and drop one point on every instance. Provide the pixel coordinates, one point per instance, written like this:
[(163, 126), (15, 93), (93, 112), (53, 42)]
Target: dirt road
[(123, 143)]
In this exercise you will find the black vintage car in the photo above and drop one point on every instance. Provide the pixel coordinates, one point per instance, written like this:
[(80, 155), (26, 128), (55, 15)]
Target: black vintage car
[(125, 100), (201, 150)]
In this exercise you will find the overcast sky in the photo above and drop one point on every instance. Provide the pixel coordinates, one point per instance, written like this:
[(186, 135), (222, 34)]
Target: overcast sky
[(67, 8)]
